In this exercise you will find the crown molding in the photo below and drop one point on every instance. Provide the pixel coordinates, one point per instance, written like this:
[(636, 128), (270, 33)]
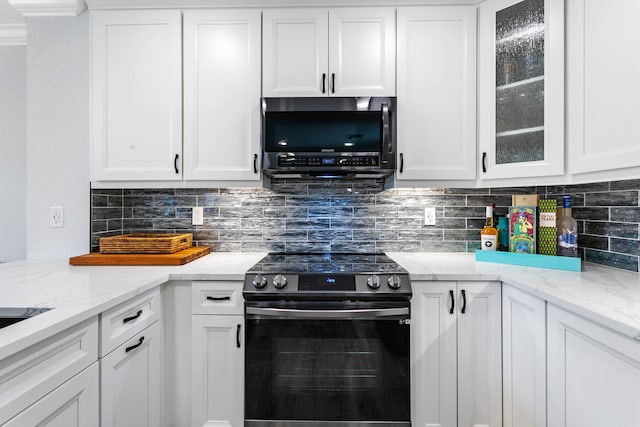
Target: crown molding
[(49, 7), (190, 4), (13, 34)]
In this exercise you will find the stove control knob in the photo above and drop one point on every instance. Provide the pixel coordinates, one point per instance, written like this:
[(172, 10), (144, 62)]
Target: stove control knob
[(279, 281), (373, 281), (259, 281), (394, 281)]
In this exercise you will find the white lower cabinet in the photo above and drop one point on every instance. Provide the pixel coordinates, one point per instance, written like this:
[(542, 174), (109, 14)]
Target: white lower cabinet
[(524, 369), (594, 374), (456, 354), (217, 354), (131, 363), (49, 384), (131, 381), (73, 404)]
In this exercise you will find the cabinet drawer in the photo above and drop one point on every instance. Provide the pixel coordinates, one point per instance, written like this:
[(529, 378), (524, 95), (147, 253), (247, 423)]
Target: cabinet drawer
[(31, 374), (121, 323), (209, 297)]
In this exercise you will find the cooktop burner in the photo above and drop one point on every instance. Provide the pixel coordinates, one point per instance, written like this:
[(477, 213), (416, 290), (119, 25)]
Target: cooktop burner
[(357, 263), (328, 275)]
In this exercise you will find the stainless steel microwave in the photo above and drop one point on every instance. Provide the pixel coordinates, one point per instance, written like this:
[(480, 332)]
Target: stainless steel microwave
[(329, 137)]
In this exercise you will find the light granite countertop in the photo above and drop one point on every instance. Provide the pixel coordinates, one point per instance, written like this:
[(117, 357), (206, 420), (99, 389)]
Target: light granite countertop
[(605, 295)]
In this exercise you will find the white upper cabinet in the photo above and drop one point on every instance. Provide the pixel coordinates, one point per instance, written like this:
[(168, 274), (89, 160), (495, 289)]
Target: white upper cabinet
[(602, 85), (437, 93), (521, 88), (221, 94), (295, 46), (335, 52), (136, 97)]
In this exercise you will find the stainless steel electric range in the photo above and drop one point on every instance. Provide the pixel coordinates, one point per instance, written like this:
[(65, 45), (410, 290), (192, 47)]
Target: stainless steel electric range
[(327, 341)]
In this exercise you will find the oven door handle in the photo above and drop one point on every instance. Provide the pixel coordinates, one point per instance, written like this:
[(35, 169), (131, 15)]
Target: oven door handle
[(328, 314)]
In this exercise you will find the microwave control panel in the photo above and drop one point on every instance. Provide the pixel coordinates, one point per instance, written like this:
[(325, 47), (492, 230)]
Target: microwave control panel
[(327, 161)]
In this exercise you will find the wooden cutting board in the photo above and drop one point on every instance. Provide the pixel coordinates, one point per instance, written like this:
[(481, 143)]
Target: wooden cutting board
[(177, 258)]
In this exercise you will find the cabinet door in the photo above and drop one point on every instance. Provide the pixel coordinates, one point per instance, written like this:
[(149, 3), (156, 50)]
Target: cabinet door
[(524, 352), (362, 52), (217, 371), (132, 382), (222, 95), (593, 373), (136, 105), (479, 354), (73, 404), (437, 92), (295, 52), (433, 353), (521, 88), (603, 85)]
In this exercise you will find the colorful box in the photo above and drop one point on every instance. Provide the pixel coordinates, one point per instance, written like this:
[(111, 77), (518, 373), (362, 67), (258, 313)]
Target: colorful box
[(547, 240), (522, 229)]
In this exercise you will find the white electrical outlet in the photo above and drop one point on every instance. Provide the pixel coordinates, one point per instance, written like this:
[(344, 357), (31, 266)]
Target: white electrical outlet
[(197, 216), (429, 216), (56, 216)]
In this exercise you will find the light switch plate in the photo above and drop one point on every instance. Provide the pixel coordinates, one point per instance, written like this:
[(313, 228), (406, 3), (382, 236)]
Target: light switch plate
[(197, 216)]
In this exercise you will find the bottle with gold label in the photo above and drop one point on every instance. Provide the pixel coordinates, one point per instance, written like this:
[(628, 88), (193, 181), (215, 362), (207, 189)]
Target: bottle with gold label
[(489, 233)]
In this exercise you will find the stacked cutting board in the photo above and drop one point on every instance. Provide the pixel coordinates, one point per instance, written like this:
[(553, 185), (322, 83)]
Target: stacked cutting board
[(144, 249)]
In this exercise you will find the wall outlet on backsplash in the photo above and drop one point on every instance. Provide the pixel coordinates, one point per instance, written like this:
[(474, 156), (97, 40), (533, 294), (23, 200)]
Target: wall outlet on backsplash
[(429, 216), (56, 216)]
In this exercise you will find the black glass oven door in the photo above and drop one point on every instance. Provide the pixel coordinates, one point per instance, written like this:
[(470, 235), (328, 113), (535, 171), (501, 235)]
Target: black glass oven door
[(328, 369)]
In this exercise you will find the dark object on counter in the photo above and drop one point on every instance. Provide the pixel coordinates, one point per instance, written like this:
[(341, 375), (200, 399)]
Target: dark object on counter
[(503, 233)]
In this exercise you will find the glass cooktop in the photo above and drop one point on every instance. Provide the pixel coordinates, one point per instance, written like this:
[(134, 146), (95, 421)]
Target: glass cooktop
[(357, 263)]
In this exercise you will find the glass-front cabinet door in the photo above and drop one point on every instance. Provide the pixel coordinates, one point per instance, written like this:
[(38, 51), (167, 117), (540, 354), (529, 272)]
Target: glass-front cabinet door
[(521, 88)]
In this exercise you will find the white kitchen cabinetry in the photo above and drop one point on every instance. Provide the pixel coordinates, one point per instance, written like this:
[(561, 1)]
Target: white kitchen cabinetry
[(136, 96), (524, 373), (456, 348), (603, 85), (132, 381), (521, 88), (594, 373), (217, 354), (436, 93), (73, 404), (131, 368), (43, 382), (335, 52), (222, 94)]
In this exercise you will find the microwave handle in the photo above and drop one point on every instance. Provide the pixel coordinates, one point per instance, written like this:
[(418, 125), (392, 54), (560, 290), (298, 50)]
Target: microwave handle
[(386, 139)]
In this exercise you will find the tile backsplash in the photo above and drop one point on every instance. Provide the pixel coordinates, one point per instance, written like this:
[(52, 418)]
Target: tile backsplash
[(346, 216)]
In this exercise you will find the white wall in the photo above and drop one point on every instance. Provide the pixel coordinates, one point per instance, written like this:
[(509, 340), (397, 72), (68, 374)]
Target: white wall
[(57, 135), (13, 153)]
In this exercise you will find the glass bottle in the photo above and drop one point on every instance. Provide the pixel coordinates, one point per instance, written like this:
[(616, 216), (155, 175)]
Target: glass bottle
[(567, 231), (489, 234)]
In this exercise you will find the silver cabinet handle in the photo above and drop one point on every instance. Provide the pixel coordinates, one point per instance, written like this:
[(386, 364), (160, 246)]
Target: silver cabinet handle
[(327, 314)]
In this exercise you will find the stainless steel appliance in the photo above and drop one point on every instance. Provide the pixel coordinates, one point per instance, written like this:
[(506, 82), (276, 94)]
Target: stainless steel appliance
[(328, 137), (327, 341)]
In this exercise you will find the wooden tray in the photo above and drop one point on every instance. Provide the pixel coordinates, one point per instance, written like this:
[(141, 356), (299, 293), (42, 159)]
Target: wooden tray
[(145, 243), (177, 258)]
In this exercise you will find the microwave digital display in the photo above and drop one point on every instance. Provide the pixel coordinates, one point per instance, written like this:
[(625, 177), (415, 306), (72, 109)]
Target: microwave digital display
[(323, 131)]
